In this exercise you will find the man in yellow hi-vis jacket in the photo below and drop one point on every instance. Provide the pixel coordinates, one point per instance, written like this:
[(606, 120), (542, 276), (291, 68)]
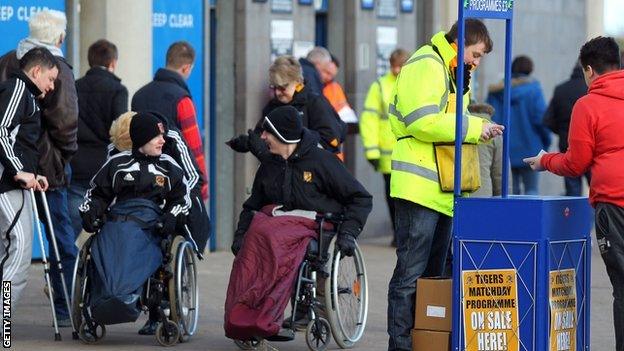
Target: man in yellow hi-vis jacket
[(375, 130), (422, 113)]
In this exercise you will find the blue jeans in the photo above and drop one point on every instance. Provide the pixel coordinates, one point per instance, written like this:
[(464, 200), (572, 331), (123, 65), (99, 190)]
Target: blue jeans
[(75, 196), (527, 177), (65, 238), (423, 238)]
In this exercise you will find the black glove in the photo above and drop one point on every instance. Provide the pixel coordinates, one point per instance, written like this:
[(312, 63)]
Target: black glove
[(256, 145), (236, 245), (346, 243), (169, 223), (239, 143), (374, 163), (91, 221), (244, 220)]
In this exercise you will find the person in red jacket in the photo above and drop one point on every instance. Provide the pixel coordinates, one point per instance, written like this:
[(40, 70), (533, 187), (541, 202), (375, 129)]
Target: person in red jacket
[(596, 144)]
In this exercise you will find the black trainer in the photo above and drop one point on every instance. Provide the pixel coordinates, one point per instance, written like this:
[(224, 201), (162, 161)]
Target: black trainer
[(282, 335), (149, 328), (300, 323)]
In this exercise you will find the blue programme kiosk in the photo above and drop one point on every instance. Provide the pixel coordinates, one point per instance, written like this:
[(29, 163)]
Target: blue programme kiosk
[(521, 264)]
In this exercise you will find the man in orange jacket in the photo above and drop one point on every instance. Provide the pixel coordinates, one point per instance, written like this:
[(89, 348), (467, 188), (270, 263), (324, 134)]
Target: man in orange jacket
[(334, 93)]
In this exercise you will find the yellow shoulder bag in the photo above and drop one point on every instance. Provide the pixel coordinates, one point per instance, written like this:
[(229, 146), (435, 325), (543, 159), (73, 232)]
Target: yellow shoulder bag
[(445, 160)]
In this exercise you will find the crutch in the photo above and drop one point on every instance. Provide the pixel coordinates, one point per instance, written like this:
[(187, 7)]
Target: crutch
[(46, 266), (59, 265)]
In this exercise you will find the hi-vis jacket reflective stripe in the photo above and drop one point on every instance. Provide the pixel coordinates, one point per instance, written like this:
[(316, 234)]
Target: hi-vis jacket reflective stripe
[(423, 113), (375, 130)]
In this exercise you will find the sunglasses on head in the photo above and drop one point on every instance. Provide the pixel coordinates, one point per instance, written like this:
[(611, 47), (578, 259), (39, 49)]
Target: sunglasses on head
[(281, 88)]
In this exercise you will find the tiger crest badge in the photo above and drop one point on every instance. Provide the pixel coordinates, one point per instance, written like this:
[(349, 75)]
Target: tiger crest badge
[(160, 181), (307, 176)]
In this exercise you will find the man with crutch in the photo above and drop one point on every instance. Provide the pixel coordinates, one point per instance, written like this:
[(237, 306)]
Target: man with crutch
[(19, 132), (56, 142)]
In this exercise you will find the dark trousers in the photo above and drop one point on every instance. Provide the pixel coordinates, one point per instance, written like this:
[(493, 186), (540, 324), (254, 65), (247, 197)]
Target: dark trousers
[(75, 198), (574, 186), (423, 237), (390, 202), (65, 238), (610, 237)]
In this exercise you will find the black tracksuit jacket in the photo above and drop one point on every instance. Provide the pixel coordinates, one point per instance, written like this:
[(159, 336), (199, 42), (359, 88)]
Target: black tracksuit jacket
[(20, 128), (177, 149), (131, 175)]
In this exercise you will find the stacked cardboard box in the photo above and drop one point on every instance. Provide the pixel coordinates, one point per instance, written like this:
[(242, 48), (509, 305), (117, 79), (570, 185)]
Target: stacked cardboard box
[(432, 326)]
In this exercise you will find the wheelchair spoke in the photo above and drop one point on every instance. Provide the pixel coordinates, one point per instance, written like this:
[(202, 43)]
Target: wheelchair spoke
[(348, 291), (348, 287)]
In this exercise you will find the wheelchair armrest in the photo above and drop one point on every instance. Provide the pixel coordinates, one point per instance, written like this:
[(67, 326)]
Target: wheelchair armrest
[(332, 217)]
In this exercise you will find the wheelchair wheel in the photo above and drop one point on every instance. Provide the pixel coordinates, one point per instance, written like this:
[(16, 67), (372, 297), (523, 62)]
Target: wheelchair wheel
[(346, 296), (91, 334), (168, 333), (318, 334), (183, 288), (80, 286)]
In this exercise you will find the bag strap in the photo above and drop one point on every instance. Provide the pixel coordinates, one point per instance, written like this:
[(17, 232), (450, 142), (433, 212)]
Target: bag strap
[(451, 83)]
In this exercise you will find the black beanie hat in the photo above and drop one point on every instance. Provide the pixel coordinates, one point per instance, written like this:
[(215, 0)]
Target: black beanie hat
[(285, 123), (143, 128)]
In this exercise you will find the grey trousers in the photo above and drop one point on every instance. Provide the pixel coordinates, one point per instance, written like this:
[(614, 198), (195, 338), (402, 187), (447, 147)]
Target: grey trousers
[(20, 238)]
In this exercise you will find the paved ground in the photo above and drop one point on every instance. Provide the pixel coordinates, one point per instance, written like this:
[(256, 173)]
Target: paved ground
[(32, 331)]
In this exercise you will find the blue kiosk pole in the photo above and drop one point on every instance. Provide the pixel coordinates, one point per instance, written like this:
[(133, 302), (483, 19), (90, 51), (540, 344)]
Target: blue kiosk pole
[(521, 264)]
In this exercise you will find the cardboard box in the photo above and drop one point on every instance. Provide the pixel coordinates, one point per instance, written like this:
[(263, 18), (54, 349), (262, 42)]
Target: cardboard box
[(427, 340), (434, 300)]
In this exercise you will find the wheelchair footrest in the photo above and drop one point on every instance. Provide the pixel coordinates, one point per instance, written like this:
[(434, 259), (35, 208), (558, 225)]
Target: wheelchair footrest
[(283, 335)]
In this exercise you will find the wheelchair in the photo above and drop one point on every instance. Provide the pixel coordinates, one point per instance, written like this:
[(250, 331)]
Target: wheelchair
[(173, 288), (332, 289)]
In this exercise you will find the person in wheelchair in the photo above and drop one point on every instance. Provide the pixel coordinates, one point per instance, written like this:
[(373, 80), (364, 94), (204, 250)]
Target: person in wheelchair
[(197, 220), (150, 198), (269, 247)]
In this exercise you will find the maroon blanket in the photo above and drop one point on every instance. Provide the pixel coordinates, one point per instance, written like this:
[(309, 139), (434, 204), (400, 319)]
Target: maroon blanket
[(263, 274)]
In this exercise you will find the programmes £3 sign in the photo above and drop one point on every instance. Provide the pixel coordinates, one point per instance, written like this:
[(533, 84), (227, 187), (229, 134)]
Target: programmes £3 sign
[(181, 20), (14, 16), (489, 5)]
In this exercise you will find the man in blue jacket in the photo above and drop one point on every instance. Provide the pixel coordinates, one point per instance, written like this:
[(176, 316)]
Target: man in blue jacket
[(528, 134)]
